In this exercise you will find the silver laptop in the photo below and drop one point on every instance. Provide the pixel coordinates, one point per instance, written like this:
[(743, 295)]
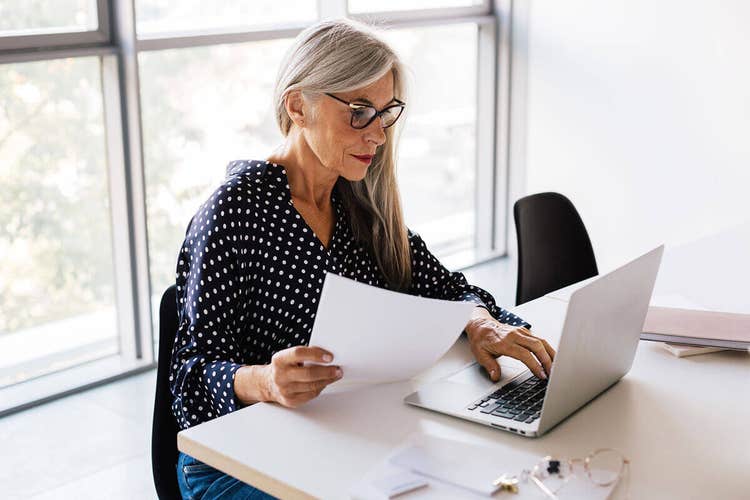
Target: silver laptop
[(597, 345)]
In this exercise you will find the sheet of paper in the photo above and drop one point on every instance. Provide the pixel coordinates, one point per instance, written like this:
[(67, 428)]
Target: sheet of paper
[(378, 335), (451, 461)]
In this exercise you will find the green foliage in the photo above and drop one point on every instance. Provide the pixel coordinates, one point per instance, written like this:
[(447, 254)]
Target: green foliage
[(54, 212)]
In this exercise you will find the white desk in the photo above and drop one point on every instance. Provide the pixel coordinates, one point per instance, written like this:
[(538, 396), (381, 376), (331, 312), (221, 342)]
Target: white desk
[(684, 423)]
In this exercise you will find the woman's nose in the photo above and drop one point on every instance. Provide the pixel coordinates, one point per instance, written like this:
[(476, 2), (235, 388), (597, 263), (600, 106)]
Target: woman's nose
[(375, 132)]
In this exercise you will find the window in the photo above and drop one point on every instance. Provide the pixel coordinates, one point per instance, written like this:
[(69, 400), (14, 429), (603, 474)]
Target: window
[(359, 6), (202, 108), (110, 141), (57, 290), (45, 24), (437, 167), (28, 17), (154, 16)]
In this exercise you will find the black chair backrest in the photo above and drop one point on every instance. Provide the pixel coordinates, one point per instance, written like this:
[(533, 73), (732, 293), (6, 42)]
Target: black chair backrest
[(554, 249), (164, 431)]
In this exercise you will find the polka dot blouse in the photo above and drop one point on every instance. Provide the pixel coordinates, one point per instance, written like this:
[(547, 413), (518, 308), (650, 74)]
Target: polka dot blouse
[(249, 277)]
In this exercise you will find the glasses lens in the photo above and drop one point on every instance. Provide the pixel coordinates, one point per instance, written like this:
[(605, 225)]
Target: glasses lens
[(605, 466), (362, 116), (390, 116)]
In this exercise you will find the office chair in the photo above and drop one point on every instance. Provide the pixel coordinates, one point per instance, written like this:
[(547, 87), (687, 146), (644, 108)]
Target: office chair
[(554, 249), (164, 431)]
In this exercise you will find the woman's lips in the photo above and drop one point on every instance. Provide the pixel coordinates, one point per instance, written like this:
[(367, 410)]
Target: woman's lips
[(364, 158)]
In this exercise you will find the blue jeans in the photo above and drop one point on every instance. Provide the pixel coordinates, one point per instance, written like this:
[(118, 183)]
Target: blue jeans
[(199, 481)]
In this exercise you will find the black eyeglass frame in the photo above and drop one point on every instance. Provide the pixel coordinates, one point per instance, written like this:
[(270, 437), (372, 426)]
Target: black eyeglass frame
[(378, 114)]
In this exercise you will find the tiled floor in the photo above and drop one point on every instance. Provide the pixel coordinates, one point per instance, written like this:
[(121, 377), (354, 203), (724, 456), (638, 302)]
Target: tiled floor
[(96, 444)]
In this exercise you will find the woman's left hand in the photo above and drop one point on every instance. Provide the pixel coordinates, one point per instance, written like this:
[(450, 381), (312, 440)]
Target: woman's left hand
[(489, 339)]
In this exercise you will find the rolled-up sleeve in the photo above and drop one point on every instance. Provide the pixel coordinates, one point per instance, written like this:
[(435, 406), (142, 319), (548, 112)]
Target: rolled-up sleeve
[(206, 354), (431, 279)]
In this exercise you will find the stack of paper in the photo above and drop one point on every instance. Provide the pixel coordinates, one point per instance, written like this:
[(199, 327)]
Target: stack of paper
[(697, 327), (683, 350)]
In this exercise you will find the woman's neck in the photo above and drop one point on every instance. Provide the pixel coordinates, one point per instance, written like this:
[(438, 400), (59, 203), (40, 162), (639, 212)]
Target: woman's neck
[(309, 180)]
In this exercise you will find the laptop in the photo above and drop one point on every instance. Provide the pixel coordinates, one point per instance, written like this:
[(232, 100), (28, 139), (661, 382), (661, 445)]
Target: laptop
[(600, 334)]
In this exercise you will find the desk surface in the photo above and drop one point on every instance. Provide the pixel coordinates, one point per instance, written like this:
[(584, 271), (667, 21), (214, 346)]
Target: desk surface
[(683, 422)]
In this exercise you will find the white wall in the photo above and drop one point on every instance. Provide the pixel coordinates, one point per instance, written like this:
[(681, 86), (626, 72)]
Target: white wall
[(639, 112)]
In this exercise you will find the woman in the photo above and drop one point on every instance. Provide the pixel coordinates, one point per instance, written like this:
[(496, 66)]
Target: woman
[(252, 266)]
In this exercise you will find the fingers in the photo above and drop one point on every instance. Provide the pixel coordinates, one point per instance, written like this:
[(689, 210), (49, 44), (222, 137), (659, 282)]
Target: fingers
[(536, 346), (295, 394), (303, 387), (295, 384), (300, 354), (547, 347), (525, 356), (490, 364), (313, 373), (552, 353)]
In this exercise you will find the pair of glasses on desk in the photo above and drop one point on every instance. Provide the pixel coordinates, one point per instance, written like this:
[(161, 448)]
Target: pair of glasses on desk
[(603, 467)]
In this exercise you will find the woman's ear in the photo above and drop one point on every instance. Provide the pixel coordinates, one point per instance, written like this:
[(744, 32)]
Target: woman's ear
[(295, 107)]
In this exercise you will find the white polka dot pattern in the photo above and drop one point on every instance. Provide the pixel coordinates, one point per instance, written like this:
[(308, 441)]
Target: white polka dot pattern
[(249, 276)]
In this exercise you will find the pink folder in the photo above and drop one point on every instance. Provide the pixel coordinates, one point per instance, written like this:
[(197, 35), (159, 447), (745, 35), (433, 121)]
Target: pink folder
[(695, 327)]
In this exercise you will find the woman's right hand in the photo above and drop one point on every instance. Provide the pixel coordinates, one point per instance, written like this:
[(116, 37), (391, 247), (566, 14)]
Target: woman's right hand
[(290, 383)]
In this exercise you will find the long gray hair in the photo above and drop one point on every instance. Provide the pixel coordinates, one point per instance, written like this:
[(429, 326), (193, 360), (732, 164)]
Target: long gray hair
[(341, 56)]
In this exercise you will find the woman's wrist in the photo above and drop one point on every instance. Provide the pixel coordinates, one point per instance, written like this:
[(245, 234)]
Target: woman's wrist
[(479, 316), (250, 384)]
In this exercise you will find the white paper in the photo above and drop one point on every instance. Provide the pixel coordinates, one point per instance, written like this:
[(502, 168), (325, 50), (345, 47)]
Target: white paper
[(377, 335), (398, 483), (454, 462)]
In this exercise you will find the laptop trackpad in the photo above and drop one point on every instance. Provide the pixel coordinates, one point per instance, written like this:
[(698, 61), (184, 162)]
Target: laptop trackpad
[(476, 376)]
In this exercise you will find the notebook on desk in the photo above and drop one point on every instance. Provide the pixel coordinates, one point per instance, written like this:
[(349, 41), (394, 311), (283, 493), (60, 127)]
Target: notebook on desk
[(697, 327)]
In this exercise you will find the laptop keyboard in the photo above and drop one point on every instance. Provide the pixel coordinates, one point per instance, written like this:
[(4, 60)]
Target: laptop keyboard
[(518, 400)]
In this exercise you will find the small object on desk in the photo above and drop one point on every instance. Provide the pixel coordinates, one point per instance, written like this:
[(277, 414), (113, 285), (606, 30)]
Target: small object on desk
[(507, 482), (683, 350)]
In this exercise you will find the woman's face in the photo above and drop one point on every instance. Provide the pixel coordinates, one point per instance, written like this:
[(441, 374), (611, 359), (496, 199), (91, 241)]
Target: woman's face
[(340, 147)]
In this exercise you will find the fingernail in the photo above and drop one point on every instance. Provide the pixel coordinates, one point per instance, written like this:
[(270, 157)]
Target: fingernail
[(544, 376), (327, 358), (492, 374), (338, 372)]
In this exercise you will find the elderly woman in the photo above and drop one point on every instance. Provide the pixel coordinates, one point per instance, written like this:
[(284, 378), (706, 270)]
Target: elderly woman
[(252, 266)]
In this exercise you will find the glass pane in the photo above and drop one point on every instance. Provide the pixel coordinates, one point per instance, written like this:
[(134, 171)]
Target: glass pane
[(394, 5), (437, 154), (29, 17), (202, 108), (56, 278), (197, 15)]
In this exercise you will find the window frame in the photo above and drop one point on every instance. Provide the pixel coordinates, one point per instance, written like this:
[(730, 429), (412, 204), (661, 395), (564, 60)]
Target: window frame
[(63, 38), (117, 44)]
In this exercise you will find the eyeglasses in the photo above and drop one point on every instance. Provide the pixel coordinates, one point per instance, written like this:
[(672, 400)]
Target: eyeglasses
[(603, 467), (364, 114)]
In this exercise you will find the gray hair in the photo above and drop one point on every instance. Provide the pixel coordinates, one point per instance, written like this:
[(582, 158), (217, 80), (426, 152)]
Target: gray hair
[(342, 56)]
